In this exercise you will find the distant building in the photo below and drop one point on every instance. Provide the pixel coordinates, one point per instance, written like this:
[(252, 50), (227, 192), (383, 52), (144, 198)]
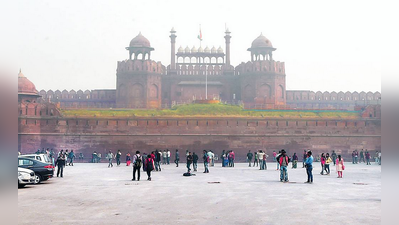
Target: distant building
[(204, 73)]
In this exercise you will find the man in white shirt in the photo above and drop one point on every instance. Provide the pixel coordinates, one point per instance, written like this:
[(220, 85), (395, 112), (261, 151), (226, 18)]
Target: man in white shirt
[(260, 155), (168, 156), (211, 157)]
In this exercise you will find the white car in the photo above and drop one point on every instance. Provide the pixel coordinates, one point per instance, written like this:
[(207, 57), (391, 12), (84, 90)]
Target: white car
[(25, 176), (39, 157)]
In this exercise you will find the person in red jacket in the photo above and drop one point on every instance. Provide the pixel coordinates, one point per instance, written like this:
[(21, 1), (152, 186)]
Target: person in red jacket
[(283, 161), (149, 166), (233, 157)]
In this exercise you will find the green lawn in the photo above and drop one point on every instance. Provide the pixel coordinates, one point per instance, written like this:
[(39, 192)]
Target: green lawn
[(208, 110)]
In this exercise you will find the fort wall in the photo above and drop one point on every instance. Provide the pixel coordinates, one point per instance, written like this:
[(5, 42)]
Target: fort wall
[(239, 134)]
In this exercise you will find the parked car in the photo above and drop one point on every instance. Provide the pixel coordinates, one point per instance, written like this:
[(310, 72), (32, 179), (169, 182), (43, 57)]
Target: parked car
[(43, 171), (25, 176), (39, 157)]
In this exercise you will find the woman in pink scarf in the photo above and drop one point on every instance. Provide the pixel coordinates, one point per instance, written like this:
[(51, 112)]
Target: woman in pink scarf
[(323, 162)]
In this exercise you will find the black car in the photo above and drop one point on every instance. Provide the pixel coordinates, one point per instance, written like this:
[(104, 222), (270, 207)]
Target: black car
[(43, 171)]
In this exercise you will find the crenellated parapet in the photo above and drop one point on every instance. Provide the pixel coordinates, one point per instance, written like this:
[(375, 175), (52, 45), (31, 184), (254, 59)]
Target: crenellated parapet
[(139, 66), (293, 95), (264, 66), (202, 69)]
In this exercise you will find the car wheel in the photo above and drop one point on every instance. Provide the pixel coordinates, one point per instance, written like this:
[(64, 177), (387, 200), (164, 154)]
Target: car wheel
[(20, 185), (38, 178)]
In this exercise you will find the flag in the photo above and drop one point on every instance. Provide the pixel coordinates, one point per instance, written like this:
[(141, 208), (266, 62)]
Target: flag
[(200, 35)]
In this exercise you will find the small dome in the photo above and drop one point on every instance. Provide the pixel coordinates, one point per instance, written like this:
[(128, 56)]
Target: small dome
[(213, 50), (25, 86), (220, 50), (200, 49), (193, 50), (207, 50), (261, 42), (187, 49), (180, 49), (140, 41)]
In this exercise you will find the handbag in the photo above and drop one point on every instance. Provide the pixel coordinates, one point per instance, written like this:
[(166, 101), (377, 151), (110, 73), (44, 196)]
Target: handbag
[(343, 167)]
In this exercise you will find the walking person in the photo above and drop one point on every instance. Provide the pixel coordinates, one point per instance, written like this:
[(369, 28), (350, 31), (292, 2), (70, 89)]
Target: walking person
[(158, 156), (233, 157), (177, 158), (340, 166), (195, 161), (309, 166), (110, 157), (167, 156), (189, 161), (256, 159), (353, 157), (322, 162), (260, 156), (206, 161), (278, 164), (211, 158), (137, 163), (294, 161), (265, 156), (229, 157), (164, 157), (274, 156), (223, 158), (356, 156), (249, 157), (94, 157), (128, 159), (327, 163), (118, 158), (376, 158), (60, 163), (66, 157), (283, 160), (149, 166), (99, 157), (334, 156), (367, 154), (71, 157), (361, 157)]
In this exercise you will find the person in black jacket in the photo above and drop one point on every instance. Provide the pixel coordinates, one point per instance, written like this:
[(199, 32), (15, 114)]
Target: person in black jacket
[(177, 158), (189, 161), (158, 156), (195, 161), (60, 163)]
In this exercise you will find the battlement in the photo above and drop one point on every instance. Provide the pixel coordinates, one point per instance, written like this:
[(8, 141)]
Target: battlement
[(296, 96), (263, 66), (182, 69), (137, 66)]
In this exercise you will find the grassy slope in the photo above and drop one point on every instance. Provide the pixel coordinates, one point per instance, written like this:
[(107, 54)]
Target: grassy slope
[(211, 110)]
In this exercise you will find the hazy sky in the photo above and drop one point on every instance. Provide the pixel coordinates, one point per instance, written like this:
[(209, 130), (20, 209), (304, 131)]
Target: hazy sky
[(326, 46)]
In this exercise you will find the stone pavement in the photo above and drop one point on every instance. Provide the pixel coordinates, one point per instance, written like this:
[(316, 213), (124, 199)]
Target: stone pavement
[(95, 194)]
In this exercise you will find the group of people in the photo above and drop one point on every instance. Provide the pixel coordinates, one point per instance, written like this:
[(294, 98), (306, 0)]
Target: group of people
[(192, 159), (365, 157), (228, 158)]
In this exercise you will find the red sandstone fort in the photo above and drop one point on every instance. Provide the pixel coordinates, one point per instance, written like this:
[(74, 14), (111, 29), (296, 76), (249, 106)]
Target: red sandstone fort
[(197, 74)]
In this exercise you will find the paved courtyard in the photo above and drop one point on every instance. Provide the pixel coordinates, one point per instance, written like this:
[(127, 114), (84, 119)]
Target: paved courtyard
[(95, 194)]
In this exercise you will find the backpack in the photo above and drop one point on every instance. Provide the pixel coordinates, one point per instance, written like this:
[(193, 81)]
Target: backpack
[(138, 162), (149, 164)]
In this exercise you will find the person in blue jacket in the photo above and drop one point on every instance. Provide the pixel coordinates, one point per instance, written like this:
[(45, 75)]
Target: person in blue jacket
[(309, 166)]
